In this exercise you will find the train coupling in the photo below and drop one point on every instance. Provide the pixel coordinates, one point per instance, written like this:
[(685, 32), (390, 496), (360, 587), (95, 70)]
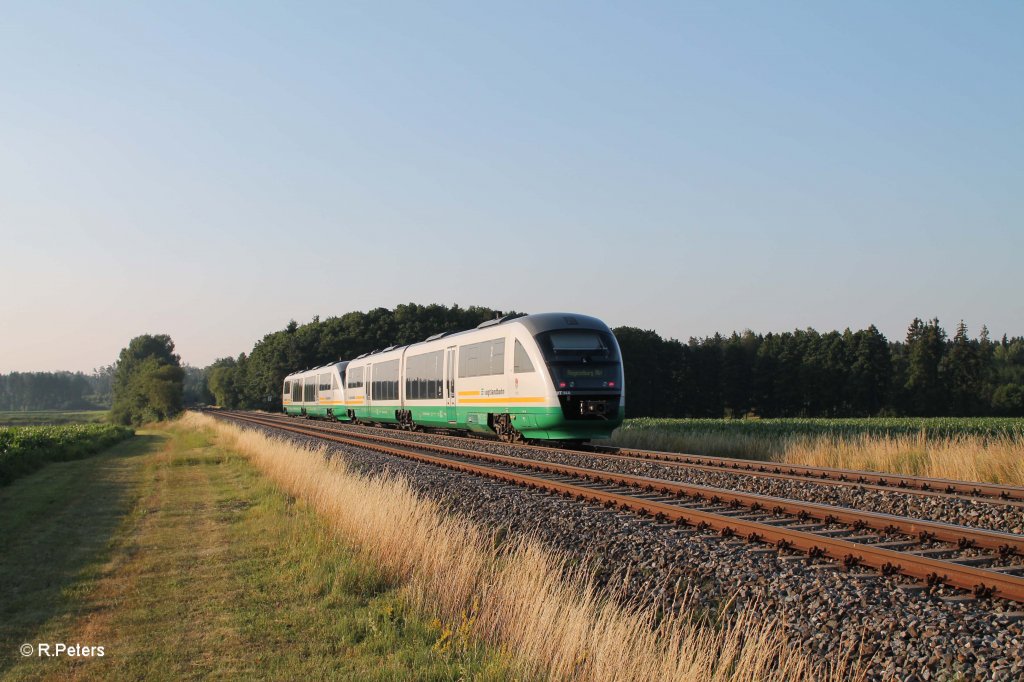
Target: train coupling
[(593, 408)]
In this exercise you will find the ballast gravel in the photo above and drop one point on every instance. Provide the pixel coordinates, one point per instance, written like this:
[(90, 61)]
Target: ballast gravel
[(964, 512), (896, 629)]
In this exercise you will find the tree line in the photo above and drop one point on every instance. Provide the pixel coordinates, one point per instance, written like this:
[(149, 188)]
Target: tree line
[(791, 374), (146, 383), (21, 391), (805, 373)]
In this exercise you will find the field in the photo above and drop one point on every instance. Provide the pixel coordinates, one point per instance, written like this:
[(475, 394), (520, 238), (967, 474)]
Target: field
[(973, 449), (24, 449), (45, 417)]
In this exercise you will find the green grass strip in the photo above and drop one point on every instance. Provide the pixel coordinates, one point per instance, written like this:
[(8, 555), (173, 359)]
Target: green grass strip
[(183, 562)]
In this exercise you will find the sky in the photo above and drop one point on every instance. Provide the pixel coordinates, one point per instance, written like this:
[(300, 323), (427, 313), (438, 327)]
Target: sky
[(214, 170)]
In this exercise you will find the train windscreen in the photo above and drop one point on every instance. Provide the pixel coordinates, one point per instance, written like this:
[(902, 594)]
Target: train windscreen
[(581, 359)]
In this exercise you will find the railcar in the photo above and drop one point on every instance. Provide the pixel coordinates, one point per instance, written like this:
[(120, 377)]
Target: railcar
[(551, 376), (315, 392)]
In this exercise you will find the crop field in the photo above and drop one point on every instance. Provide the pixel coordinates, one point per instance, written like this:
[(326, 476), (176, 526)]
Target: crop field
[(24, 449), (51, 417), (974, 449)]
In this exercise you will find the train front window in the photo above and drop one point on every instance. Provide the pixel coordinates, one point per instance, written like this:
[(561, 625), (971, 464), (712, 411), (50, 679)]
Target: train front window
[(581, 359), (581, 345), (578, 342)]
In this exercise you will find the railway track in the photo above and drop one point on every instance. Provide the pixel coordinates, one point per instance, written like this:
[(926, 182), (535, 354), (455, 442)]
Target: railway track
[(990, 492), (987, 563), (1011, 496)]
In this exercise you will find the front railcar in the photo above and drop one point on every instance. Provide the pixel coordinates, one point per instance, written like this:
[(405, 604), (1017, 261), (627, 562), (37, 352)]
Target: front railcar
[(584, 366), (586, 371)]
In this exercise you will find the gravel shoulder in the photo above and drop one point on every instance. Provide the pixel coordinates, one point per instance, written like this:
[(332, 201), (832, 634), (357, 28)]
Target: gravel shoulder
[(971, 513)]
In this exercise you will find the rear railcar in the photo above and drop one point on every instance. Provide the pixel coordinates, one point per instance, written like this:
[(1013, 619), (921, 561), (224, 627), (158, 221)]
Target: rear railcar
[(316, 392)]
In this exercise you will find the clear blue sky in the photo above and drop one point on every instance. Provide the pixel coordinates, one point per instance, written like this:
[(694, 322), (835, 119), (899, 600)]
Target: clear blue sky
[(212, 170)]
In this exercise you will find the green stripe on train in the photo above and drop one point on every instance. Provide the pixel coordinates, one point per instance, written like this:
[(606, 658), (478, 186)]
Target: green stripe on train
[(532, 422)]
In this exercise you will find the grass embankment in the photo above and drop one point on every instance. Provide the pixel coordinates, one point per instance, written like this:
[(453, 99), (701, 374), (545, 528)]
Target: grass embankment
[(983, 449), (517, 596), (44, 417), (184, 562), (23, 449)]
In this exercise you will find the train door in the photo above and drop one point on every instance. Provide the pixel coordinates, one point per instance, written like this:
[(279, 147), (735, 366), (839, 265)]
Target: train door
[(449, 386), (368, 393)]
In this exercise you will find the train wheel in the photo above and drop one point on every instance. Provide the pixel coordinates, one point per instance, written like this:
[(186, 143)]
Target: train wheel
[(404, 419), (502, 424)]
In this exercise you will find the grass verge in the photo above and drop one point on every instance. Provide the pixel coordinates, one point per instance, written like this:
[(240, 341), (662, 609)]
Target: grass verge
[(966, 458), (184, 562), (516, 597), (996, 457)]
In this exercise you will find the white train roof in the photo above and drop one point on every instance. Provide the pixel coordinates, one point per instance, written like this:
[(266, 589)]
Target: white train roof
[(534, 324)]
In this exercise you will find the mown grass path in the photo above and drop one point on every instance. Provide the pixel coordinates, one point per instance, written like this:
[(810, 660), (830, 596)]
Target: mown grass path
[(183, 562)]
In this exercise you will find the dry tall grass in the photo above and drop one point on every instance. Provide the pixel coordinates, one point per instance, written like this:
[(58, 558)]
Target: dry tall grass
[(994, 459), (966, 458), (519, 598)]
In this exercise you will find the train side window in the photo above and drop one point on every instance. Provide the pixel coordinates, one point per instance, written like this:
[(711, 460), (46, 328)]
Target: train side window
[(423, 374), (522, 360), (497, 363), (287, 388), (325, 382), (436, 375), (385, 381), (355, 377), (468, 360), (486, 358)]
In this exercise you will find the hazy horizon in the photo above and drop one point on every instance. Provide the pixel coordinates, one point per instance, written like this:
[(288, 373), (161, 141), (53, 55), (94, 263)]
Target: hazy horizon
[(212, 172)]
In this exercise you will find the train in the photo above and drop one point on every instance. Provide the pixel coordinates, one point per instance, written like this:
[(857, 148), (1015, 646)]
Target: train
[(548, 376)]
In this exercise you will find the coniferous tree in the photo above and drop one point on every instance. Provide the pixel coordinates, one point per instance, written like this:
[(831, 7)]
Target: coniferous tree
[(870, 372), (641, 350), (738, 357), (926, 345), (962, 373)]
